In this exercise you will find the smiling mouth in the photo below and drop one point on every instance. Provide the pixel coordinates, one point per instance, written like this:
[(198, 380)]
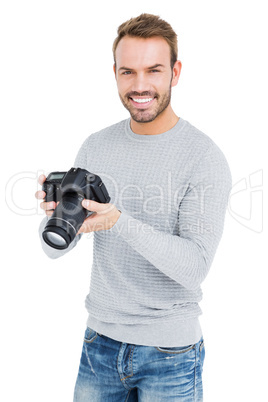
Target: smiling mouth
[(142, 102)]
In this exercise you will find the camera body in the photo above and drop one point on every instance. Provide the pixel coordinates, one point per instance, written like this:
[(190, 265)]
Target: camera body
[(78, 181), (52, 186), (69, 189)]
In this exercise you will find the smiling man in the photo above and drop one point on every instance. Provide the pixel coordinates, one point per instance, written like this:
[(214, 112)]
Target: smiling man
[(155, 241), (145, 72)]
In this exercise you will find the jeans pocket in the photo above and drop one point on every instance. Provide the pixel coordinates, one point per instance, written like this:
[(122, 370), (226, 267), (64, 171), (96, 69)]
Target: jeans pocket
[(175, 350), (202, 352), (90, 335)]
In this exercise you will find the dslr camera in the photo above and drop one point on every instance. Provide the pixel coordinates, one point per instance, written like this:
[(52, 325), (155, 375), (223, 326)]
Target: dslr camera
[(69, 189)]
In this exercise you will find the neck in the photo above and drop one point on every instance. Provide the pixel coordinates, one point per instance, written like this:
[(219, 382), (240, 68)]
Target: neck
[(162, 123)]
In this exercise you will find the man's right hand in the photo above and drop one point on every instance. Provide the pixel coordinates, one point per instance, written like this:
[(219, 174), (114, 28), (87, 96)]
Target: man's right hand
[(48, 207)]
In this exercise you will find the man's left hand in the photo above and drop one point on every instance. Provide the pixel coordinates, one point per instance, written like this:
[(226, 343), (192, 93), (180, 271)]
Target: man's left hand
[(104, 218)]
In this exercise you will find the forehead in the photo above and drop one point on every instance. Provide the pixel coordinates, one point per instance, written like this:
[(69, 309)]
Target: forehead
[(136, 52)]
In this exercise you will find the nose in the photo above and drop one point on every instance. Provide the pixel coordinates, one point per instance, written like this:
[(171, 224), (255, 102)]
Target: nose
[(140, 83)]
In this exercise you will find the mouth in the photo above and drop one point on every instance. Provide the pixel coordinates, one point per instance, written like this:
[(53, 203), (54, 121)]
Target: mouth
[(141, 103)]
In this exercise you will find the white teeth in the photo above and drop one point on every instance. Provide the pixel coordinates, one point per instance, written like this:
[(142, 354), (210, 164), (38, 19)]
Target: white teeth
[(142, 100)]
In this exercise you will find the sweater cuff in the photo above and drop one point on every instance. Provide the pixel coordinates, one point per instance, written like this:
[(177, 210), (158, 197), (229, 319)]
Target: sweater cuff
[(50, 251), (130, 228)]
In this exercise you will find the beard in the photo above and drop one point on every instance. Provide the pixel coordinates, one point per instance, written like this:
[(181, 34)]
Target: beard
[(150, 114)]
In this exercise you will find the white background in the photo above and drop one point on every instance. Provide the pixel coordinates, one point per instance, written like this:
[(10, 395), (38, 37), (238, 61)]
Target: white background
[(57, 87)]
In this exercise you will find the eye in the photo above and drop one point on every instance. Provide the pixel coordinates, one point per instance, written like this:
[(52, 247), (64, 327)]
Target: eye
[(126, 73), (154, 71)]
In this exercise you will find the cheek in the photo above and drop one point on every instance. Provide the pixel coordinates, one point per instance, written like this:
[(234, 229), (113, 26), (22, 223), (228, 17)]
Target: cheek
[(161, 83), (122, 86)]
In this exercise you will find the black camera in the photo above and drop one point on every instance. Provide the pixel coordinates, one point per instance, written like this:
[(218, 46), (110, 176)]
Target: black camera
[(69, 189)]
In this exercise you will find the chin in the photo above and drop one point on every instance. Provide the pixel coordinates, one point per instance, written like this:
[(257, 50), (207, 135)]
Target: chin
[(143, 118)]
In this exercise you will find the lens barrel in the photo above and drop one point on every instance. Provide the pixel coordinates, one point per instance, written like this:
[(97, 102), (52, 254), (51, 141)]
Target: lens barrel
[(65, 222)]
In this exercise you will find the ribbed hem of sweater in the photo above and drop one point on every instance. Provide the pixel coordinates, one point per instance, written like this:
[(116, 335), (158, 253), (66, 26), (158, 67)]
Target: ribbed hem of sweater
[(163, 333)]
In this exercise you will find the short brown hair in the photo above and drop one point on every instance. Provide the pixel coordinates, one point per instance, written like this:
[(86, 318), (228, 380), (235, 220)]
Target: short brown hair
[(148, 26)]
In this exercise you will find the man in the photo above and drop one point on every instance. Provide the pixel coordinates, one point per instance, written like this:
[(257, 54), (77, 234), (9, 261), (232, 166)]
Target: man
[(155, 241)]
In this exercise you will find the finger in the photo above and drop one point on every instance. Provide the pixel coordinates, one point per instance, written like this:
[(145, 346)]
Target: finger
[(49, 213), (81, 230), (48, 206), (97, 206), (41, 179), (40, 195), (87, 228)]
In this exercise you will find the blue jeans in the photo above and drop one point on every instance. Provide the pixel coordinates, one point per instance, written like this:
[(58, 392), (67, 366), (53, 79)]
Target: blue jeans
[(112, 371)]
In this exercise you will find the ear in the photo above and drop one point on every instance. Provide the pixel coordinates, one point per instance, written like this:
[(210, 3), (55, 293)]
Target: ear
[(176, 73), (114, 68)]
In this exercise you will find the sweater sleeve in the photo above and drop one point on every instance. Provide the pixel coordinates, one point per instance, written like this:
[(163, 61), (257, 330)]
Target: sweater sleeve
[(52, 252), (187, 256)]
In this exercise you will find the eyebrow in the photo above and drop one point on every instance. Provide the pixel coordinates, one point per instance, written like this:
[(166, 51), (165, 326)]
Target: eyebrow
[(148, 68)]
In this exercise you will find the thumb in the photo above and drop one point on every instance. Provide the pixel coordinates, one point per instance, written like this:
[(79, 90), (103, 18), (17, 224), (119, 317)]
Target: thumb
[(94, 205)]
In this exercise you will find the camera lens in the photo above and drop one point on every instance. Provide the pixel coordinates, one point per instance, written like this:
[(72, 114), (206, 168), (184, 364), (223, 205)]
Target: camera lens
[(59, 233), (55, 240), (65, 222)]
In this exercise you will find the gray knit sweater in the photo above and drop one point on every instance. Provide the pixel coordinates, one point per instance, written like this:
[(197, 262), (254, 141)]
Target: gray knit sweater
[(172, 189)]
